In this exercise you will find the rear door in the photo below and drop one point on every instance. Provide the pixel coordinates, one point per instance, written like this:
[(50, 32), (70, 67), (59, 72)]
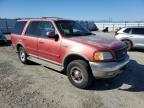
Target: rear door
[(138, 37), (31, 38)]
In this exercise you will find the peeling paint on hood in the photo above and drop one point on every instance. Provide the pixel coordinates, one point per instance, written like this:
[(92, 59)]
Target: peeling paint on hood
[(99, 42)]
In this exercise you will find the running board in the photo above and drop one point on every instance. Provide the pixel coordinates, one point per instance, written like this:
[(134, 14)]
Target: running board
[(46, 63)]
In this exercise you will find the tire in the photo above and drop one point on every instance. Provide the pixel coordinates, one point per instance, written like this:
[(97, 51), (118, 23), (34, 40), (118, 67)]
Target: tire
[(22, 55), (79, 74), (129, 44)]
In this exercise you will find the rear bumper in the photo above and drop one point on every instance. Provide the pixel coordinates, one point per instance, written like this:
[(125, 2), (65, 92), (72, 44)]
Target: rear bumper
[(108, 70)]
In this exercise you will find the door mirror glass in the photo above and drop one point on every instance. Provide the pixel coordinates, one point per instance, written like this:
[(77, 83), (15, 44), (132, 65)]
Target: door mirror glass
[(50, 34)]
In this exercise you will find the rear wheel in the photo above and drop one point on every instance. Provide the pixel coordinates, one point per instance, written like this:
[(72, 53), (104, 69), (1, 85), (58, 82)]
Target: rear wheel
[(129, 44), (22, 55), (79, 74)]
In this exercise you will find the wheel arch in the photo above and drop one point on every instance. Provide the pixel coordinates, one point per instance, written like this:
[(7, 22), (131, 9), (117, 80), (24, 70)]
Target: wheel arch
[(69, 58), (129, 41), (18, 45)]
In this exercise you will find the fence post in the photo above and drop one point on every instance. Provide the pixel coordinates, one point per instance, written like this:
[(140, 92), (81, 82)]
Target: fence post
[(103, 26), (125, 23), (113, 27), (138, 24), (6, 25)]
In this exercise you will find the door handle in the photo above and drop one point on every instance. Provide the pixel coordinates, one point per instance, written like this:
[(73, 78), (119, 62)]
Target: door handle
[(41, 42)]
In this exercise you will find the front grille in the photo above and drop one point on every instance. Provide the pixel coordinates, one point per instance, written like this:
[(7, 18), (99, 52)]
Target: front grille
[(121, 53)]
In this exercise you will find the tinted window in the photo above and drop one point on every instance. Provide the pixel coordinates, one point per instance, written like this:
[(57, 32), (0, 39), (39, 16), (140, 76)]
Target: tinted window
[(71, 28), (45, 27), (32, 29), (138, 31), (127, 30), (39, 28), (19, 26)]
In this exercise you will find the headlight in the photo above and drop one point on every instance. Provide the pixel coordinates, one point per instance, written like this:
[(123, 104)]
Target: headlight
[(102, 56)]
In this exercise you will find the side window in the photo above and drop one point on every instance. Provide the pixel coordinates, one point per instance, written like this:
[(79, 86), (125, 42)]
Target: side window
[(19, 26), (33, 29), (142, 31), (139, 31), (127, 30), (39, 28), (45, 27)]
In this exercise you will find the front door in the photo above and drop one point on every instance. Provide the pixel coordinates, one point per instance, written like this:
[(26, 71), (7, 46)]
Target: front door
[(48, 48)]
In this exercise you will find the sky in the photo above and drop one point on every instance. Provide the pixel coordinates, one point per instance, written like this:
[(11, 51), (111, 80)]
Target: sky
[(115, 10)]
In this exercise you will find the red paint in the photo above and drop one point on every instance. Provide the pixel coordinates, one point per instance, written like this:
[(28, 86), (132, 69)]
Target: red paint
[(56, 51)]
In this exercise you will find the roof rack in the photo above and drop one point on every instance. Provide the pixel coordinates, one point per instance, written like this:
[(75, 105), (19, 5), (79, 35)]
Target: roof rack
[(52, 17), (31, 18), (55, 18)]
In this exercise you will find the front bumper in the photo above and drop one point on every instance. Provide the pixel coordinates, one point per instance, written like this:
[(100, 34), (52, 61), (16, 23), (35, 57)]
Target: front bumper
[(109, 69)]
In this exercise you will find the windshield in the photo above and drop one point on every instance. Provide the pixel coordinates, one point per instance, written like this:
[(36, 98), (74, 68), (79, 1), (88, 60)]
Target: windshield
[(71, 28)]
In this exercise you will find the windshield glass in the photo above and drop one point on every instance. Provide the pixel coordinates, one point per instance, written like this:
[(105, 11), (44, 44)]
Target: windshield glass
[(71, 28)]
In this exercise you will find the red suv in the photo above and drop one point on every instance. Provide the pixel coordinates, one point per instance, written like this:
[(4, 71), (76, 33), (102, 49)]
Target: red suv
[(66, 46)]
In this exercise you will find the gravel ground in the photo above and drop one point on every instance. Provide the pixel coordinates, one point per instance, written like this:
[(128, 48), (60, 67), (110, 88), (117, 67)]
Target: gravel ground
[(35, 86)]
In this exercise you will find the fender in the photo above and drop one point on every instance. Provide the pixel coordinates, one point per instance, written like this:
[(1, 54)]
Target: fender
[(20, 43), (74, 53)]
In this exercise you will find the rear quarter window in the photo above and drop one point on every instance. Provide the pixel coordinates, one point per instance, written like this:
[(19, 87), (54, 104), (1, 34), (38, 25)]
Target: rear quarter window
[(33, 29), (19, 26), (127, 30)]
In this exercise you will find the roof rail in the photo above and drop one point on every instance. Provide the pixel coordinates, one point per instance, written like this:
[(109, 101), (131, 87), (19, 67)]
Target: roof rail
[(52, 17), (41, 18), (31, 18)]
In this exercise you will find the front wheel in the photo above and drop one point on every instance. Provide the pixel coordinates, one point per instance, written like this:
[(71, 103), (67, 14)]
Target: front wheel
[(22, 55), (79, 74)]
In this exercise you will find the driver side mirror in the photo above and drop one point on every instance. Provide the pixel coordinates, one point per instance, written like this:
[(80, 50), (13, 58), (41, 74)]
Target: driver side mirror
[(52, 35)]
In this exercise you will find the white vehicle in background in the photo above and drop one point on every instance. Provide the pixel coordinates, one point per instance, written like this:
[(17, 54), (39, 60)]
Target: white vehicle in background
[(132, 36)]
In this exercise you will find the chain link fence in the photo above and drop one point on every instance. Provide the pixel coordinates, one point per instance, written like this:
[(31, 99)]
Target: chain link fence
[(114, 26), (7, 25)]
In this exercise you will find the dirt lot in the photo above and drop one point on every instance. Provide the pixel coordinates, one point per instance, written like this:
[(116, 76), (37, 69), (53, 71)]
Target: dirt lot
[(35, 86)]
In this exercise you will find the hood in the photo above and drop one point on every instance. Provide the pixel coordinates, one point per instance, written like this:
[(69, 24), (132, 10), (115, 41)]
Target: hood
[(100, 42)]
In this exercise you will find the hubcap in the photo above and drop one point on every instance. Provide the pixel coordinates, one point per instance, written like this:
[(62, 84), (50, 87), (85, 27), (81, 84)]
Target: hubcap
[(128, 45), (76, 75), (22, 55)]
